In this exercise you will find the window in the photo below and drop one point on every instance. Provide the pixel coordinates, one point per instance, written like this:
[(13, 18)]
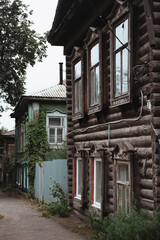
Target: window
[(120, 47), (121, 59), (56, 125), (77, 58), (123, 186), (94, 75), (96, 174), (78, 178), (94, 65), (77, 105)]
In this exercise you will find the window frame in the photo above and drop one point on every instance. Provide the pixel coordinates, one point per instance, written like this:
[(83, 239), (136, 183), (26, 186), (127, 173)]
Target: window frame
[(94, 203), (124, 186), (76, 56), (117, 19), (61, 116), (94, 37), (76, 170)]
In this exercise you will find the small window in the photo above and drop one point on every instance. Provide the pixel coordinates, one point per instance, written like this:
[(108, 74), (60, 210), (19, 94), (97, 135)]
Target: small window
[(123, 186), (94, 75), (94, 70), (120, 47), (121, 60), (96, 170), (56, 130), (77, 87), (56, 127), (78, 178)]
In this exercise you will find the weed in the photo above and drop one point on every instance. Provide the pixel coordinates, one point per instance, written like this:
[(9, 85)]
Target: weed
[(1, 216)]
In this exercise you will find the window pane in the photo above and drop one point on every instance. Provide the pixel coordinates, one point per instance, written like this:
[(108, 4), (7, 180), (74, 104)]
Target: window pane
[(97, 85), (77, 96), (125, 71), (92, 87), (77, 70), (98, 181), (94, 54), (122, 33), (59, 135), (123, 172), (54, 121), (118, 74), (79, 177), (52, 135)]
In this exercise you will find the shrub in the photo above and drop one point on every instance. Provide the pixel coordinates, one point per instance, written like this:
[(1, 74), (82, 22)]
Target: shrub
[(121, 226)]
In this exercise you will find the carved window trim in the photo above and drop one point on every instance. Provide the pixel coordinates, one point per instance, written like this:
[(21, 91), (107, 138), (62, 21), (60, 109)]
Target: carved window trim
[(93, 38), (119, 15), (77, 56)]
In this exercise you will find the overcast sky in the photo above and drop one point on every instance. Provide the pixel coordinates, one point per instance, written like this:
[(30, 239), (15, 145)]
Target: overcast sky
[(46, 73)]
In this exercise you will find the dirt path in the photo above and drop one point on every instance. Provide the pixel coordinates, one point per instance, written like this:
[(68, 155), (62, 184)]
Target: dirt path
[(23, 222)]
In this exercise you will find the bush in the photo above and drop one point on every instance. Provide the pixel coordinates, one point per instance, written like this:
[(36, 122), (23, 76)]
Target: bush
[(58, 209), (121, 226)]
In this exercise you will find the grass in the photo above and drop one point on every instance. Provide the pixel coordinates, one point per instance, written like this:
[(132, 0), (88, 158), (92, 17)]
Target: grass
[(1, 216)]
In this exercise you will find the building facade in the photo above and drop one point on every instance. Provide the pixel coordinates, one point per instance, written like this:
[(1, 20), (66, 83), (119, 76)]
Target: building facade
[(27, 110), (112, 53)]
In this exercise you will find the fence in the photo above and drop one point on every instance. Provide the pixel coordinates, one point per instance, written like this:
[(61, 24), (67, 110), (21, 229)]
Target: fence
[(57, 169)]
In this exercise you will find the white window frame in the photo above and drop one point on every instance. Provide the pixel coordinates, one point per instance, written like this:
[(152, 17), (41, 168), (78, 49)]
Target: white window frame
[(95, 203), (57, 114), (79, 196)]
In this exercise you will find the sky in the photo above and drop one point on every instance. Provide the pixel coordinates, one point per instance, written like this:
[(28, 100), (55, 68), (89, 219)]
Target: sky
[(43, 74)]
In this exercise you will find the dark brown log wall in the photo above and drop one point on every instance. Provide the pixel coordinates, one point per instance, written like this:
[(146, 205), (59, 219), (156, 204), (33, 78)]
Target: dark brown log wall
[(141, 133)]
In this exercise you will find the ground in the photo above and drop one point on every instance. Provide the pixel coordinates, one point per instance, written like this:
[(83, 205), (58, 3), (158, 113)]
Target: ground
[(20, 219)]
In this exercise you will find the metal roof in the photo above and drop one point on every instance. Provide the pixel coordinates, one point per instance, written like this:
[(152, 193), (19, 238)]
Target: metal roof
[(58, 91)]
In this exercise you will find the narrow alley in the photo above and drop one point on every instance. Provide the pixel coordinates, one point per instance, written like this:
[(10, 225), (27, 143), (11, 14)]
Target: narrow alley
[(23, 221)]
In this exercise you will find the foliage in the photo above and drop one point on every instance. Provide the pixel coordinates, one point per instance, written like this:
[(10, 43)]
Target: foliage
[(3, 130), (20, 46), (59, 205), (8, 189), (36, 147), (30, 193), (1, 216), (60, 152), (121, 226)]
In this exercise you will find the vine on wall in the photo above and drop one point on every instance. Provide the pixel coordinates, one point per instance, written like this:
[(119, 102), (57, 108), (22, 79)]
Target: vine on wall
[(37, 147)]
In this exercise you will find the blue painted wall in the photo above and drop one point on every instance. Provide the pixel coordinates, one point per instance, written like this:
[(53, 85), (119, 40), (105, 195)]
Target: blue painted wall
[(55, 169)]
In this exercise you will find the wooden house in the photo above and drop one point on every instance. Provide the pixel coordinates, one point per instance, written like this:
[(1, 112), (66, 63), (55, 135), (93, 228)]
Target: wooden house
[(27, 109), (112, 51), (7, 153)]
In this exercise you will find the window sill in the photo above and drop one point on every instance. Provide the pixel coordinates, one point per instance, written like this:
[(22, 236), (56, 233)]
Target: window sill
[(94, 109), (120, 100), (78, 197), (96, 205)]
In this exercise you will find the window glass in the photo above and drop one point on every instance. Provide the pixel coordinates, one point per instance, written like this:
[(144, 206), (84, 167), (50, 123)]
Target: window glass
[(98, 182), (59, 135), (125, 71), (52, 135), (123, 172), (54, 121), (79, 178), (122, 33), (95, 55), (77, 70), (118, 74)]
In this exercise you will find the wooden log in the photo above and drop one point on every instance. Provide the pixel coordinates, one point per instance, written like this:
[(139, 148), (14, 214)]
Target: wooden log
[(144, 49), (146, 193), (154, 65), (149, 204), (148, 173), (154, 54), (156, 6), (156, 17), (146, 183), (143, 39)]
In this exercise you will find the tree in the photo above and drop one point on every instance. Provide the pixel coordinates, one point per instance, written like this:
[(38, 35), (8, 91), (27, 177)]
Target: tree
[(20, 46)]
